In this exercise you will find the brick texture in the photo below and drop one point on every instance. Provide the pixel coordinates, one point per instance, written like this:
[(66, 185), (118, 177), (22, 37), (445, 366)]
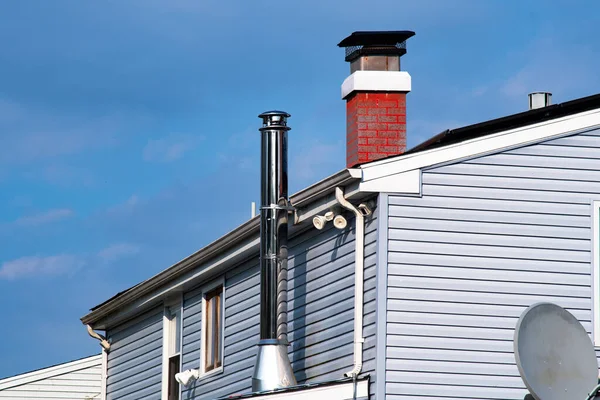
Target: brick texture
[(375, 126)]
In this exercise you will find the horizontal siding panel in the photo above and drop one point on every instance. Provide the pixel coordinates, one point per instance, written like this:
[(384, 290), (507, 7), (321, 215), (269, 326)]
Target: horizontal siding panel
[(525, 172), (488, 228), (462, 314), (508, 217), (501, 346), (539, 160), (481, 274), (559, 151), (488, 238), (142, 352), (456, 379), (496, 205), (498, 263), (474, 297), (410, 354), (141, 344), (450, 331), (490, 251), (320, 313), (489, 287), (442, 192), (148, 358), (414, 389), (433, 178), (468, 368), (58, 384), (583, 139)]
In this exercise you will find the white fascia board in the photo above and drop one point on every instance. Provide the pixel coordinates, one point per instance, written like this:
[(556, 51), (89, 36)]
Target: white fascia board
[(376, 81), (408, 182), (339, 391), (50, 372), (477, 147)]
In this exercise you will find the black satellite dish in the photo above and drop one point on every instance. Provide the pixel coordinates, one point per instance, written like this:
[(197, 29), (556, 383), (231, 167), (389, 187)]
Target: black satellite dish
[(554, 354)]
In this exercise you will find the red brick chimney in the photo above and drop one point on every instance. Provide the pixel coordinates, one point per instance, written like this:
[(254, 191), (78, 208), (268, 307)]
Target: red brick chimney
[(375, 94)]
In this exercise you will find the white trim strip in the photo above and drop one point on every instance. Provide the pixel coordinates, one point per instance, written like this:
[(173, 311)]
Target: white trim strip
[(104, 375), (482, 146), (376, 81), (166, 333), (340, 391), (596, 271)]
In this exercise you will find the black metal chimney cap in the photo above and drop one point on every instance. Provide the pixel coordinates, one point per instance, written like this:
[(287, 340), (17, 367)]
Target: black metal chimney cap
[(363, 43), (376, 38)]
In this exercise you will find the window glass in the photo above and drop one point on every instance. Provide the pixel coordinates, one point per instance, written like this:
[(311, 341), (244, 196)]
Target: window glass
[(213, 328)]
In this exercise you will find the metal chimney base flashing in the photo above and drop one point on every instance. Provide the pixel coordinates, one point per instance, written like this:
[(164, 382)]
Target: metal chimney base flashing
[(273, 369)]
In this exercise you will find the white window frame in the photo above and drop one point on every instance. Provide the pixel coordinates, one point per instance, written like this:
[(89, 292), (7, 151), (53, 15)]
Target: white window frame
[(206, 289), (169, 341), (596, 271)]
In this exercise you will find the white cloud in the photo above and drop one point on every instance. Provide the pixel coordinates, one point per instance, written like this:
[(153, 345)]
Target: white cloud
[(170, 148), (32, 266), (117, 251), (44, 218)]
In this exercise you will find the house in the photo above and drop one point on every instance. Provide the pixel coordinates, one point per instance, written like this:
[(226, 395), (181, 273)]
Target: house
[(461, 234), (79, 379)]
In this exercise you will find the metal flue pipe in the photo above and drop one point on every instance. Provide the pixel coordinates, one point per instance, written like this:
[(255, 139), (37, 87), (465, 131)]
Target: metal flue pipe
[(273, 369)]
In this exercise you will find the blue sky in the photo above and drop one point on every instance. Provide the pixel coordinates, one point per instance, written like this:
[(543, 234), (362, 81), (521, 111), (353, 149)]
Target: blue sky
[(128, 129)]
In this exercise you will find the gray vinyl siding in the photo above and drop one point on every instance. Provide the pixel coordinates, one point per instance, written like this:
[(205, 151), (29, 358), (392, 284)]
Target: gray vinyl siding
[(489, 237), (135, 358), (320, 314)]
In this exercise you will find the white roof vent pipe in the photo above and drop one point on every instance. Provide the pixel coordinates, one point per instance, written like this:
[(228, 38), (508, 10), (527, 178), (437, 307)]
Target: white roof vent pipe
[(539, 100)]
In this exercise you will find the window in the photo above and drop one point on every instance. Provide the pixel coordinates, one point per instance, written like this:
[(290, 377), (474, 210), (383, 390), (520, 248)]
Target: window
[(171, 351), (212, 335)]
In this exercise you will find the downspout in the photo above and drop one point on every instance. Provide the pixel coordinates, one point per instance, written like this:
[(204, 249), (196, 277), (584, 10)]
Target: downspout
[(359, 243), (105, 348), (103, 342)]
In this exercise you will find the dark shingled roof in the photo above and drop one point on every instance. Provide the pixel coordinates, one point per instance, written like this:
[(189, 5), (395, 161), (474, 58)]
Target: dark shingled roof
[(530, 117)]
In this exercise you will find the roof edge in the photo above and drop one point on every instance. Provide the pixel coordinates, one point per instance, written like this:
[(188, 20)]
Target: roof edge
[(227, 241), (49, 372)]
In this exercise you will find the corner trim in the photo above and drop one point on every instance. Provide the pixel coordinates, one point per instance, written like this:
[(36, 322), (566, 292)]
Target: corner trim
[(595, 250), (381, 305), (376, 81), (103, 375)]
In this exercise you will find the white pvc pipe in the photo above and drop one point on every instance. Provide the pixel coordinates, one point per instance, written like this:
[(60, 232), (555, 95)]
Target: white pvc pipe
[(359, 244)]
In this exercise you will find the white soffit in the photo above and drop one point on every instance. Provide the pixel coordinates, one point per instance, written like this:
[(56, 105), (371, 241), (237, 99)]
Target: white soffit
[(376, 81), (402, 174), (338, 391)]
